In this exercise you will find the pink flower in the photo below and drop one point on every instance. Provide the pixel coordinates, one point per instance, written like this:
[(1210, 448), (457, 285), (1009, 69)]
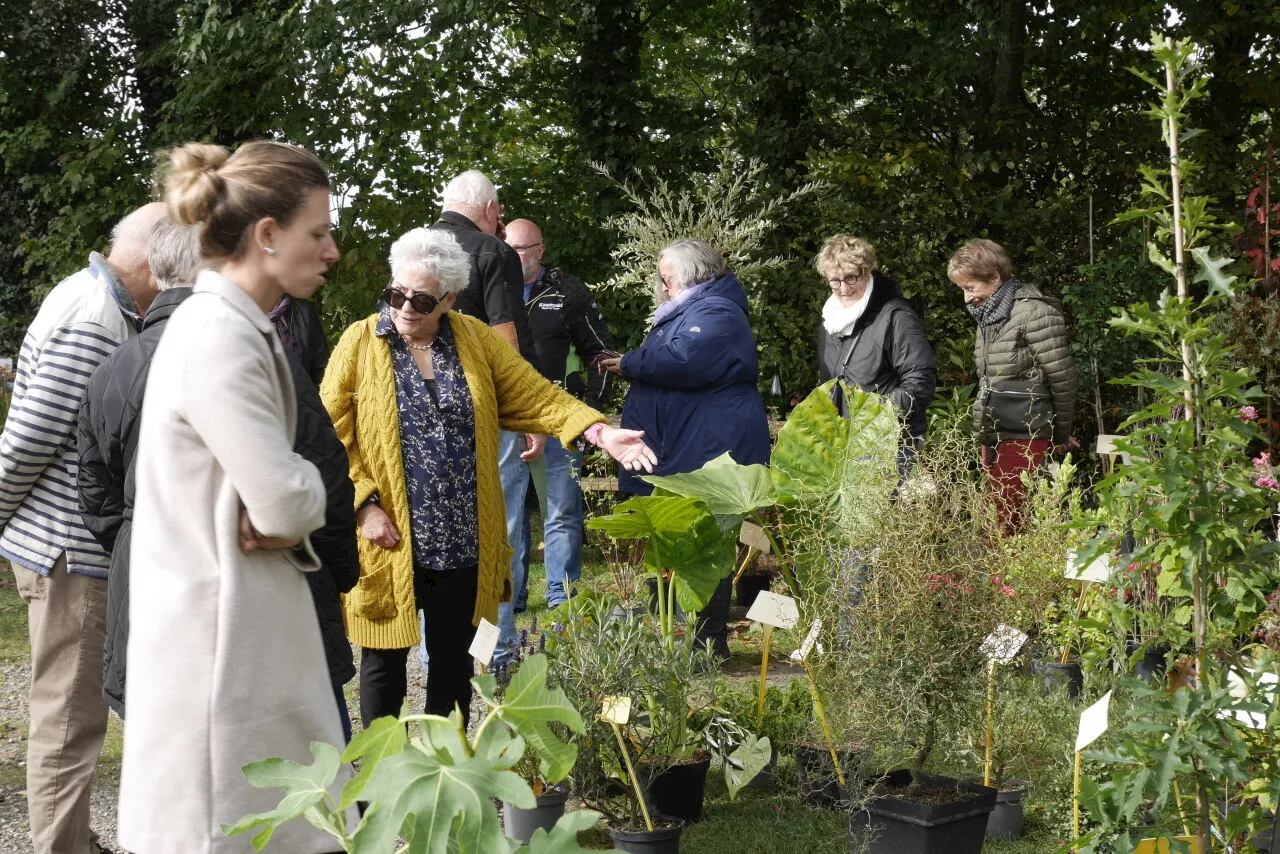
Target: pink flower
[(1268, 483), (1006, 590), (1263, 460), (995, 579), (1249, 413)]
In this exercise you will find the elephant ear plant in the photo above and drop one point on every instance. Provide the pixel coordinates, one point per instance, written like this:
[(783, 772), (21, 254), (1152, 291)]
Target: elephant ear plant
[(435, 790)]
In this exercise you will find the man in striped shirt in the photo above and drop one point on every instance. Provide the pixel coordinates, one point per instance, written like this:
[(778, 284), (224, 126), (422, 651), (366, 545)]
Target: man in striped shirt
[(60, 569)]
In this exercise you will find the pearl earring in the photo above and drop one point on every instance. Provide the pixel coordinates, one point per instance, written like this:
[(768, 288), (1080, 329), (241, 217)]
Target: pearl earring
[(269, 250)]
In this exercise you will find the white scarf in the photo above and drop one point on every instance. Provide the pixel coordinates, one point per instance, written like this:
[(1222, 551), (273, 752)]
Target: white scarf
[(838, 319)]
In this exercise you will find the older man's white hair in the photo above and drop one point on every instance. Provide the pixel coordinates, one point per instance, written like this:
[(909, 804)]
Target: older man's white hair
[(174, 254), (472, 188), (433, 253), (131, 236)]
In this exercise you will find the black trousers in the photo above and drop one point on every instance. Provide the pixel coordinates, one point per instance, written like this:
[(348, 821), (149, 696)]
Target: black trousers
[(447, 600), (713, 621)]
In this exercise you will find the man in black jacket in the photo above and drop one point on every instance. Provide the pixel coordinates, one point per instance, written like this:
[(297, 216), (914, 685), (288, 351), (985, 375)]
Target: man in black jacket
[(108, 432), (569, 334)]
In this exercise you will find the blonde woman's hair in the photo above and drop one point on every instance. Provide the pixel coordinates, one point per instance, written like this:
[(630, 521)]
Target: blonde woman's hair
[(225, 195), (981, 259), (845, 254)]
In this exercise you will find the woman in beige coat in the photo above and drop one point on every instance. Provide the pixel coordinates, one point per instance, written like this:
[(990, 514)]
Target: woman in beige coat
[(226, 665)]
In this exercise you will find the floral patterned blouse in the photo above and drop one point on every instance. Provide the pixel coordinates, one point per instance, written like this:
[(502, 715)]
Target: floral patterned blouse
[(438, 444)]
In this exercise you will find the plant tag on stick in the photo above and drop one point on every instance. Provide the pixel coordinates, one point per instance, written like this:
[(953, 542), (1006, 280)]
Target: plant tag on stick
[(1003, 644), (753, 536), (810, 641), (1099, 570), (1093, 722), (1268, 684), (775, 610), (485, 642), (616, 710)]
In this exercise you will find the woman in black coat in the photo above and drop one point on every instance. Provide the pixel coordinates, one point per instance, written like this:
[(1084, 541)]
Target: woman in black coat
[(872, 338)]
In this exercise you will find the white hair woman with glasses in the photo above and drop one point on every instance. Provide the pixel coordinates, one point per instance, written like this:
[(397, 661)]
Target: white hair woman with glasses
[(872, 338), (418, 394), (693, 385)]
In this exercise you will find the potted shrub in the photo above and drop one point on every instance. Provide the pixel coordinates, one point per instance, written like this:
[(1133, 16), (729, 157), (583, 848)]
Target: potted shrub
[(439, 788), (674, 722), (906, 663)]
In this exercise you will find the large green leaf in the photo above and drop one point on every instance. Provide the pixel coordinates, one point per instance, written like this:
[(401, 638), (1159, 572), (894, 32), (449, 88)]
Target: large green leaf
[(528, 706), (842, 465), (684, 538), (305, 786), (385, 737), (563, 838), (727, 488), (741, 766), (440, 807)]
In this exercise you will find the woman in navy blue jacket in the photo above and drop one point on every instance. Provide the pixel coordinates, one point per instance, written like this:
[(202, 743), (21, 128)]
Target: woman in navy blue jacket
[(693, 384)]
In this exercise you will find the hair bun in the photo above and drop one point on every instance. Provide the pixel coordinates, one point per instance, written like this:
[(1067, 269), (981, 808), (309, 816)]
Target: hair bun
[(194, 185)]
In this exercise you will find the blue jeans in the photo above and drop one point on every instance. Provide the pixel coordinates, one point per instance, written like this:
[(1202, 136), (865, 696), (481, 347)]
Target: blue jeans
[(557, 472), (343, 713)]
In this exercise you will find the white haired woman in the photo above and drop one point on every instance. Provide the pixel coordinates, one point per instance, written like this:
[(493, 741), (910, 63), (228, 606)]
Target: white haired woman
[(693, 386), (418, 394)]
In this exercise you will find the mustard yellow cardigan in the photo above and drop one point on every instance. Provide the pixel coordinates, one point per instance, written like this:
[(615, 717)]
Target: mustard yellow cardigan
[(359, 390)]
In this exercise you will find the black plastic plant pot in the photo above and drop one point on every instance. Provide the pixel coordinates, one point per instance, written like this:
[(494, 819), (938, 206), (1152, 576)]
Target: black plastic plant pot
[(521, 823), (891, 825), (1058, 675), (816, 776), (1151, 667), (663, 839), (678, 791), (751, 586), (1006, 819), (633, 612)]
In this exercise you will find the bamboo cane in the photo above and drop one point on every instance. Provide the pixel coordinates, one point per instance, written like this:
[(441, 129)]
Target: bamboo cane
[(631, 772), (1066, 652), (991, 721), (764, 674), (1075, 799), (746, 561), (821, 711)]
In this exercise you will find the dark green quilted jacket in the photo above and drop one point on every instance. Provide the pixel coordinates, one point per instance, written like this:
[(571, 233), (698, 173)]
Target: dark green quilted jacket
[(1027, 380)]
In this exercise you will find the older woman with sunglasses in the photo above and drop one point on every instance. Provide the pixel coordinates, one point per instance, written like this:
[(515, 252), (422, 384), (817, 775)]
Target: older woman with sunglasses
[(418, 394)]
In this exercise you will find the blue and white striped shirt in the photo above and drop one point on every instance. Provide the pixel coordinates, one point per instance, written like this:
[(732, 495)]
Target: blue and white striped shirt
[(79, 324)]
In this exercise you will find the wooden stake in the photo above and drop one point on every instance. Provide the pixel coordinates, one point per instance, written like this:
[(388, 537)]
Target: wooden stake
[(764, 673), (991, 721), (1084, 587), (635, 781)]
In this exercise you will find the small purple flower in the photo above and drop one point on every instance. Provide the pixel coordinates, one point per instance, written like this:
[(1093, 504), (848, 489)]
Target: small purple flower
[(1249, 413)]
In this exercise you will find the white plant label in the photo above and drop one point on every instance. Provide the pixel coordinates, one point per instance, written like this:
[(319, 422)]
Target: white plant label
[(616, 710), (1099, 570), (1003, 644), (1107, 443), (775, 610), (753, 536), (1268, 684), (1093, 722), (486, 641), (811, 640)]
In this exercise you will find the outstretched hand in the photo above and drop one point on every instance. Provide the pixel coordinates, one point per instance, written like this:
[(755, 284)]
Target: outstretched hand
[(628, 448)]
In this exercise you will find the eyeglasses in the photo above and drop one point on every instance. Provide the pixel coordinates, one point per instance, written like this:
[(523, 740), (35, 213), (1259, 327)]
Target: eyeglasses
[(422, 303), (847, 283), (526, 248)]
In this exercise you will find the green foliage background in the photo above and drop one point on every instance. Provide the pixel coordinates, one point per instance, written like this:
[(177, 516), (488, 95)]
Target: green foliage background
[(925, 122)]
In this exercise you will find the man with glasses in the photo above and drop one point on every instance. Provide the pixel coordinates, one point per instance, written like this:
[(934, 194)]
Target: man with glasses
[(569, 334)]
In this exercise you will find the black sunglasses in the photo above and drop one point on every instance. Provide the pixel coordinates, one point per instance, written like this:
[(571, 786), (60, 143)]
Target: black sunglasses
[(422, 303)]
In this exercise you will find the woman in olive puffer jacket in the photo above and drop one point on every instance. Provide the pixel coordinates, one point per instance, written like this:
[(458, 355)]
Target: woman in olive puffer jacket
[(1027, 379)]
